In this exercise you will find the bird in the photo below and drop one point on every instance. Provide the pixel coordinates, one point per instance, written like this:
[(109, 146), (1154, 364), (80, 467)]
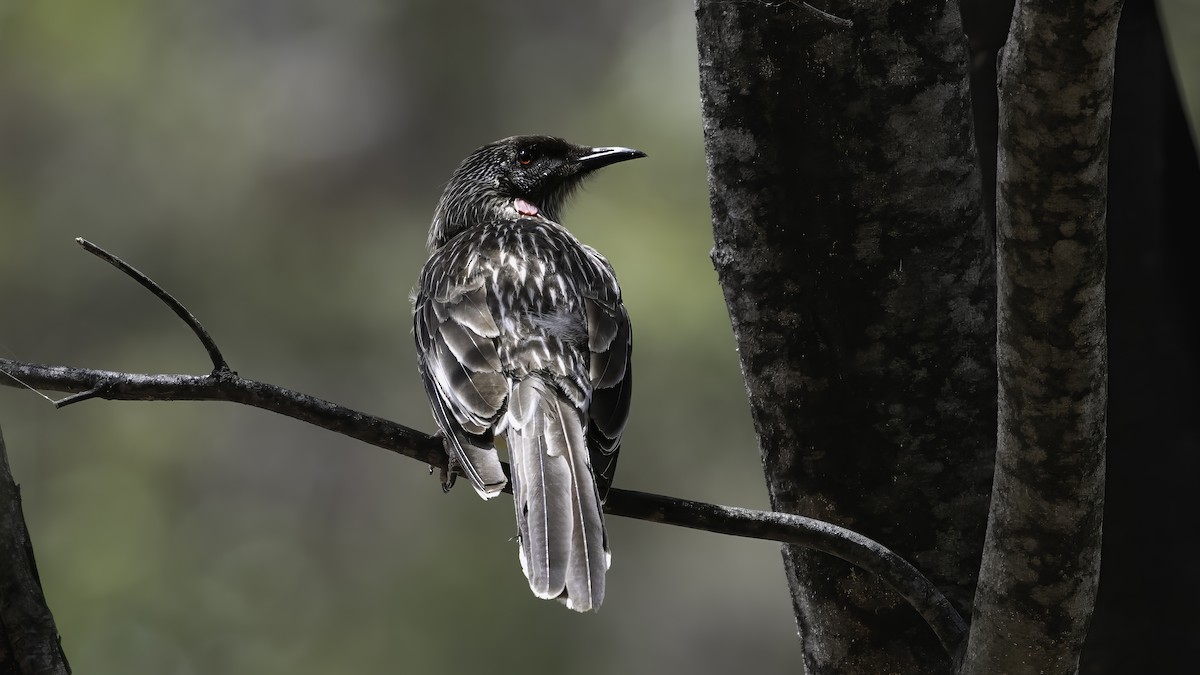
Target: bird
[(522, 335)]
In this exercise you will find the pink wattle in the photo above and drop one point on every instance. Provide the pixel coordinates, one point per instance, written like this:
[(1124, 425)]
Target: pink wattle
[(524, 208)]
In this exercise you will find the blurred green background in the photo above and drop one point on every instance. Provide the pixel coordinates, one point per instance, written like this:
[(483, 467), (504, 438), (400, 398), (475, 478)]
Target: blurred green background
[(275, 165)]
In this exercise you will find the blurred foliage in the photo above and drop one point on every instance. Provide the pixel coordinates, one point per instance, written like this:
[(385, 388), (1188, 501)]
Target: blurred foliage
[(274, 164), (1181, 22)]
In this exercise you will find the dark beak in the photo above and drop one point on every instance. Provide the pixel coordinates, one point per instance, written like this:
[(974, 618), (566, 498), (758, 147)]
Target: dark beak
[(595, 158)]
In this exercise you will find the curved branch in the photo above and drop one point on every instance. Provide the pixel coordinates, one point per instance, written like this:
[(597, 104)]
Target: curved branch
[(218, 360), (225, 385), (782, 527), (788, 528)]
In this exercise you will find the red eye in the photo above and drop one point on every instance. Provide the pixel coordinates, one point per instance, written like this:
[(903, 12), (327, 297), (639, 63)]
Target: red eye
[(524, 156)]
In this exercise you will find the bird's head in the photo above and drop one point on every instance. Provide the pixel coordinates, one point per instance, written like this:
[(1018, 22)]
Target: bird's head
[(514, 177)]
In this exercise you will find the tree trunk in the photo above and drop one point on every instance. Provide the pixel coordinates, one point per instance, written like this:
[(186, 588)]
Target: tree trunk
[(1041, 561), (29, 642), (858, 272)]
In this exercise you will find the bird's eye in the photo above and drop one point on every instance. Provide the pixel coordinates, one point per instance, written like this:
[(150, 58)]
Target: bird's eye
[(524, 156)]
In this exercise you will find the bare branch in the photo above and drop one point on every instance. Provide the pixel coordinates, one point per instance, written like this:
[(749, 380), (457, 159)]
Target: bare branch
[(819, 535), (94, 392), (182, 312), (782, 527), (223, 384), (823, 15)]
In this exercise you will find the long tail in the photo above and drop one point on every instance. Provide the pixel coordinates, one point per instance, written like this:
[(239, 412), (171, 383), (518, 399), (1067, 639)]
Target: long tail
[(564, 548)]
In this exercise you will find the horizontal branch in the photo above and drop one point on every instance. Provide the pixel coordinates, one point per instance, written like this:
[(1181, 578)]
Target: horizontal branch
[(223, 384), (229, 386), (226, 385)]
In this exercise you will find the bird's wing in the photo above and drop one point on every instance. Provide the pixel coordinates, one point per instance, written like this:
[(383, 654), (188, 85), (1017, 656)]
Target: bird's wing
[(460, 367), (610, 341)]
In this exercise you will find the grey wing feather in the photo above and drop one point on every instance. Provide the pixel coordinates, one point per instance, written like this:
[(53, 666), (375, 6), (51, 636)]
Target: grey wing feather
[(460, 371), (562, 396), (610, 340), (471, 310)]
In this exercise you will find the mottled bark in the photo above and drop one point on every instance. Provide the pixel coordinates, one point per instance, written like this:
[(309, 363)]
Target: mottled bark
[(29, 642), (1042, 557), (858, 273)]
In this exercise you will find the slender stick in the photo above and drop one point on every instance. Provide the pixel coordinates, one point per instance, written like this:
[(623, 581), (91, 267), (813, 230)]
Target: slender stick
[(225, 385), (820, 535), (182, 312), (822, 14), (783, 527)]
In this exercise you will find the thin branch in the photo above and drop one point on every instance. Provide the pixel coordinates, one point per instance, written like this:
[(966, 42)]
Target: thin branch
[(225, 385), (94, 392), (823, 15), (182, 312), (782, 527), (788, 528), (819, 14)]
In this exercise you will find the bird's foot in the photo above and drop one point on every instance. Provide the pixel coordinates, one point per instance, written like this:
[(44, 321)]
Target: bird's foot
[(446, 474), (447, 477)]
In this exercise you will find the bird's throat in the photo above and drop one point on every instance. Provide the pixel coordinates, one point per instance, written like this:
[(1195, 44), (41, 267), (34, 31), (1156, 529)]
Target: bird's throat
[(525, 208)]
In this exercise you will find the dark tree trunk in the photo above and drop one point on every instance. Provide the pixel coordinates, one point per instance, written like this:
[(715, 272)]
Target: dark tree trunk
[(1150, 581), (858, 272), (1153, 438), (29, 643)]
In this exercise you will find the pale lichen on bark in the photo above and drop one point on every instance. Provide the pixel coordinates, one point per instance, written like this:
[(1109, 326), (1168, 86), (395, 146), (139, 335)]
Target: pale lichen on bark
[(1041, 561), (857, 270)]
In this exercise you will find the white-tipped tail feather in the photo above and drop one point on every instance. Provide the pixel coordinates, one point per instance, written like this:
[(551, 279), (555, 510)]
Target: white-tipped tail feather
[(564, 548)]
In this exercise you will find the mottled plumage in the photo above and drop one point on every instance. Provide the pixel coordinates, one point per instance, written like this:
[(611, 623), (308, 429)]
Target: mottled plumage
[(521, 333)]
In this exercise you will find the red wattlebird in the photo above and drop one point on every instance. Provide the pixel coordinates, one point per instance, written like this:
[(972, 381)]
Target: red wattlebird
[(521, 333)]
